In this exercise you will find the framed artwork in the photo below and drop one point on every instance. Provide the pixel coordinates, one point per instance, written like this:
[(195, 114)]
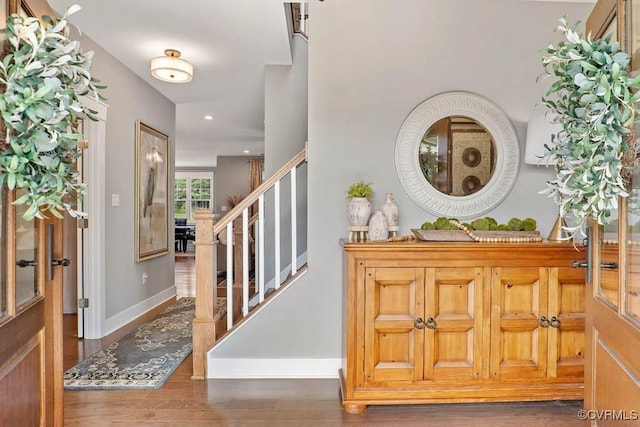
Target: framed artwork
[(472, 161), (4, 14), (152, 193)]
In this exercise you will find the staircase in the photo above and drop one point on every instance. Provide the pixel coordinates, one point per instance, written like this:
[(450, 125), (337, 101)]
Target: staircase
[(223, 305)]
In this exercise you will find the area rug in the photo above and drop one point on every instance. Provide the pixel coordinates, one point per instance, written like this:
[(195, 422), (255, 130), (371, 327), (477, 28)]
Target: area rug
[(144, 359)]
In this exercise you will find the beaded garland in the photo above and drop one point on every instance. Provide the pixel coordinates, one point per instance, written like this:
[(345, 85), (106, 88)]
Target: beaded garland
[(471, 234), (475, 237)]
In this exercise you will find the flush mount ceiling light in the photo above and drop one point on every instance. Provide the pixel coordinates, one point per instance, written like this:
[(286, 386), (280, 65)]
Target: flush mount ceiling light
[(171, 68)]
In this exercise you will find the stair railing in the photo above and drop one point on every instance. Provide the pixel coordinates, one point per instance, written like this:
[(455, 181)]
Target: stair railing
[(216, 316)]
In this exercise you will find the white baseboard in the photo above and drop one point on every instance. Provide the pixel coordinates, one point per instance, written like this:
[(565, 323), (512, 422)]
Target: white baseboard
[(124, 317), (273, 368)]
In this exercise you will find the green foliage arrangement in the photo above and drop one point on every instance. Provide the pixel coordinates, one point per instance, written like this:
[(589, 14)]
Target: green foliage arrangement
[(529, 224), (43, 75), (482, 224), (360, 189), (592, 99), (428, 225), (514, 224), (443, 223)]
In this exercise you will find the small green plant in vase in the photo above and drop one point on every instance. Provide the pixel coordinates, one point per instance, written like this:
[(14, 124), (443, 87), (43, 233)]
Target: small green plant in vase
[(359, 206), (360, 189)]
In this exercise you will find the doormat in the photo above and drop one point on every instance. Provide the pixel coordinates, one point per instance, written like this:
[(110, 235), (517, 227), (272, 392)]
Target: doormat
[(143, 359)]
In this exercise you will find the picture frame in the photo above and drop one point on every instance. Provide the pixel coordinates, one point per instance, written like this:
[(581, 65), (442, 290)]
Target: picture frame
[(472, 158), (151, 193), (4, 13)]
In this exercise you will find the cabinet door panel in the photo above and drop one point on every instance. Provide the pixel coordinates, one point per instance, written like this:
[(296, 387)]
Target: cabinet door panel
[(566, 341), (518, 342), (453, 341), (393, 301)]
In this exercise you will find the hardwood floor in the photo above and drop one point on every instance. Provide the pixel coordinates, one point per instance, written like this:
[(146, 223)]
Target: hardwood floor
[(276, 402), (185, 279)]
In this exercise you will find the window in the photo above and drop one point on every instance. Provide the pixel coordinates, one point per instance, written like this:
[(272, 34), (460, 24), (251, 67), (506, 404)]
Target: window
[(193, 190)]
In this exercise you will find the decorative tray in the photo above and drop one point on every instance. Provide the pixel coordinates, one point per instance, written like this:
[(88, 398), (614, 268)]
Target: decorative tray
[(461, 236)]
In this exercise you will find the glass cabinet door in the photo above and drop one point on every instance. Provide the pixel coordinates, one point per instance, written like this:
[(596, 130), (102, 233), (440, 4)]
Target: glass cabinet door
[(607, 288), (26, 253), (631, 282)]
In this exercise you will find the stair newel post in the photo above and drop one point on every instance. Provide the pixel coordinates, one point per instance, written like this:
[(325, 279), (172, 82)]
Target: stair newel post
[(238, 268), (204, 327)]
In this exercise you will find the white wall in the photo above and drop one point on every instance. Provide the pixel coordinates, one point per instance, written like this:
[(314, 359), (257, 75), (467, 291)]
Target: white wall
[(130, 99), (371, 62)]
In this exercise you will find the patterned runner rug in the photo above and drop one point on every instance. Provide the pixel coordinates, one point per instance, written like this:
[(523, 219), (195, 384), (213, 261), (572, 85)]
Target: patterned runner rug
[(144, 359)]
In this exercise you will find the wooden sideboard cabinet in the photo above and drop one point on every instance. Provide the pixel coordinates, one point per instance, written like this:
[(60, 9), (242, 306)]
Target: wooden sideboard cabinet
[(461, 322)]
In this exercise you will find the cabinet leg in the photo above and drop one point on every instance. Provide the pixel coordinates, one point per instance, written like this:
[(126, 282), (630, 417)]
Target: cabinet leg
[(354, 408)]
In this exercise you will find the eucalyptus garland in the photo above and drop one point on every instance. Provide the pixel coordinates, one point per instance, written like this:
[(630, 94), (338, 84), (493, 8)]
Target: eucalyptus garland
[(43, 75), (592, 99)]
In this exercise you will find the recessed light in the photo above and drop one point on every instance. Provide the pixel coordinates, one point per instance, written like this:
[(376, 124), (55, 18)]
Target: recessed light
[(246, 151), (208, 117)]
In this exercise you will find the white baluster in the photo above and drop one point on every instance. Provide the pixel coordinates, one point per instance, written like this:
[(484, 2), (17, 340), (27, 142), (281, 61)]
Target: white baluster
[(230, 275), (245, 262), (261, 247), (294, 236), (276, 214)]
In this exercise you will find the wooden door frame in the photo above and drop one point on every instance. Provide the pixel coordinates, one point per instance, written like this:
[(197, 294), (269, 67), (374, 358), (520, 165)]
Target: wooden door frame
[(94, 246), (604, 11), (53, 321), (608, 330), (51, 287)]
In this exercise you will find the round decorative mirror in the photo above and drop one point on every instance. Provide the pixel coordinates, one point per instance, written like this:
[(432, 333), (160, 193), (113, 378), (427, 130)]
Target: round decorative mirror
[(457, 155)]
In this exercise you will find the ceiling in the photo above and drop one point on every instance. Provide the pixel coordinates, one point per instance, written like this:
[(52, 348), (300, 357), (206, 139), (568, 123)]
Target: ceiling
[(229, 42)]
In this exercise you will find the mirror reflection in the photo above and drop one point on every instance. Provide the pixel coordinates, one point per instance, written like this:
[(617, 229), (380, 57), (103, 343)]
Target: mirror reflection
[(457, 156)]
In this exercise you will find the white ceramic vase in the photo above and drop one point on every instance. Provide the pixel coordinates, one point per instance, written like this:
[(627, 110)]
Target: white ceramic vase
[(378, 227), (390, 210), (359, 210)]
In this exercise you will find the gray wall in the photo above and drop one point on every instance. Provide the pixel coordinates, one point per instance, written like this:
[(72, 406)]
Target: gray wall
[(231, 179), (286, 102), (370, 63), (129, 99), (285, 135), (285, 128)]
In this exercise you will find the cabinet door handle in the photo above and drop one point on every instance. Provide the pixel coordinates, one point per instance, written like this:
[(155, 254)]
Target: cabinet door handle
[(585, 264), (431, 323), (26, 263), (419, 323), (555, 322), (609, 265), (63, 262), (544, 322)]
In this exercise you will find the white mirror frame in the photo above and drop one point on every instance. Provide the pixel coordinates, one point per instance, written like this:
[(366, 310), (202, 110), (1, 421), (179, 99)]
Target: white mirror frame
[(507, 152)]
